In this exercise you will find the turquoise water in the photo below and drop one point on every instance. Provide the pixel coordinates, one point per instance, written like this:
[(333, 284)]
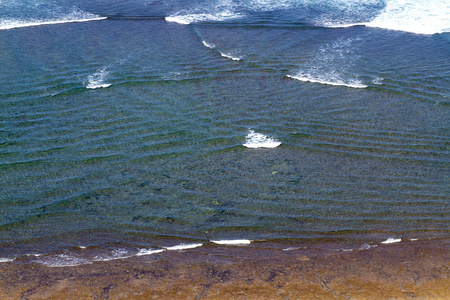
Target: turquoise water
[(130, 127)]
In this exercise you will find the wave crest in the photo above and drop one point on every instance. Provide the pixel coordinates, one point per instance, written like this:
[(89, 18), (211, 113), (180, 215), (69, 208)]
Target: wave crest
[(75, 16)]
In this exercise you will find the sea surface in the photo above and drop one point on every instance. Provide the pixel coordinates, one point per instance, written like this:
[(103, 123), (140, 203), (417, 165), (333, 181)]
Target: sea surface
[(135, 127)]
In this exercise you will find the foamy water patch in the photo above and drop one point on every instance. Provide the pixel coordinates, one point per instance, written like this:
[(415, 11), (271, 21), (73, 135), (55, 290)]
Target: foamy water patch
[(232, 242), (417, 16), (63, 260), (113, 255), (76, 16), (183, 247), (97, 80), (258, 140)]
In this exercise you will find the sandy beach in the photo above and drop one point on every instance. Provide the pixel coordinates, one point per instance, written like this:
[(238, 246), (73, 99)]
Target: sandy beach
[(406, 270)]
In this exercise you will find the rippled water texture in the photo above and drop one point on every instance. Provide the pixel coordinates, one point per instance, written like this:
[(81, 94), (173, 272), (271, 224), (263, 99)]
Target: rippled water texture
[(132, 123)]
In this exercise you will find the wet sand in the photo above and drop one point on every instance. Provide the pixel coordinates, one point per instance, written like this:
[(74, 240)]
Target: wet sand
[(406, 270)]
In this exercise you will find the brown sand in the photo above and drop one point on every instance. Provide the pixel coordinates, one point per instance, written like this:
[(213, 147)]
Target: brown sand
[(406, 270)]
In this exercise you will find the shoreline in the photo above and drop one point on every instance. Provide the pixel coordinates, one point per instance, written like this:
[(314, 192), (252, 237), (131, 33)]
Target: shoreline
[(406, 270)]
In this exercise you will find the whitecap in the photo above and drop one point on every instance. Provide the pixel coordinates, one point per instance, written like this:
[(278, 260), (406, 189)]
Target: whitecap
[(202, 17), (292, 248), (6, 259), (391, 241), (258, 140), (328, 79), (143, 252), (230, 56), (232, 242), (97, 80), (209, 45), (183, 246), (74, 17)]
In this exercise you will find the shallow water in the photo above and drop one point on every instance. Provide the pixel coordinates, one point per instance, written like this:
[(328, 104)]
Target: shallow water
[(128, 124)]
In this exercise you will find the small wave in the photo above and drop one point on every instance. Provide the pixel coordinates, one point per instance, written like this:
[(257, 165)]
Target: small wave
[(329, 79), (6, 259), (391, 241), (232, 242), (97, 80), (71, 18), (209, 45), (258, 140), (143, 252), (183, 247), (230, 56), (202, 17)]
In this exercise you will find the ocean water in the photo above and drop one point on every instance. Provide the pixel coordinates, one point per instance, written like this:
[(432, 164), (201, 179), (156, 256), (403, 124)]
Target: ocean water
[(129, 128)]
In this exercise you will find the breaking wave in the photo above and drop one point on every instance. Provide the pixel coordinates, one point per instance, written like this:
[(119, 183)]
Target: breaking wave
[(75, 16)]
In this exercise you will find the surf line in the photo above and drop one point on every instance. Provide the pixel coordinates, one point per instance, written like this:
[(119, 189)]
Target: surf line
[(20, 24)]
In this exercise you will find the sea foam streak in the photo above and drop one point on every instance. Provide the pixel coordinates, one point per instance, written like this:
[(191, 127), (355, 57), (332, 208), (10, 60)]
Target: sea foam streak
[(143, 252), (226, 55), (184, 246), (391, 241), (209, 45), (97, 80), (328, 79), (258, 140), (230, 56), (76, 16), (232, 242)]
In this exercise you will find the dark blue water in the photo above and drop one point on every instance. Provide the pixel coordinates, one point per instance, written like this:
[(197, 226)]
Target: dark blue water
[(128, 125)]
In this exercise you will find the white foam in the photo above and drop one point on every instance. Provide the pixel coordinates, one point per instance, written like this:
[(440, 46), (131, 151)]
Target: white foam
[(232, 242), (417, 16), (202, 17), (258, 140), (391, 241), (328, 79), (115, 254), (74, 17), (149, 251), (97, 80), (6, 259), (184, 246), (292, 248), (63, 260), (366, 246), (209, 45), (230, 56)]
